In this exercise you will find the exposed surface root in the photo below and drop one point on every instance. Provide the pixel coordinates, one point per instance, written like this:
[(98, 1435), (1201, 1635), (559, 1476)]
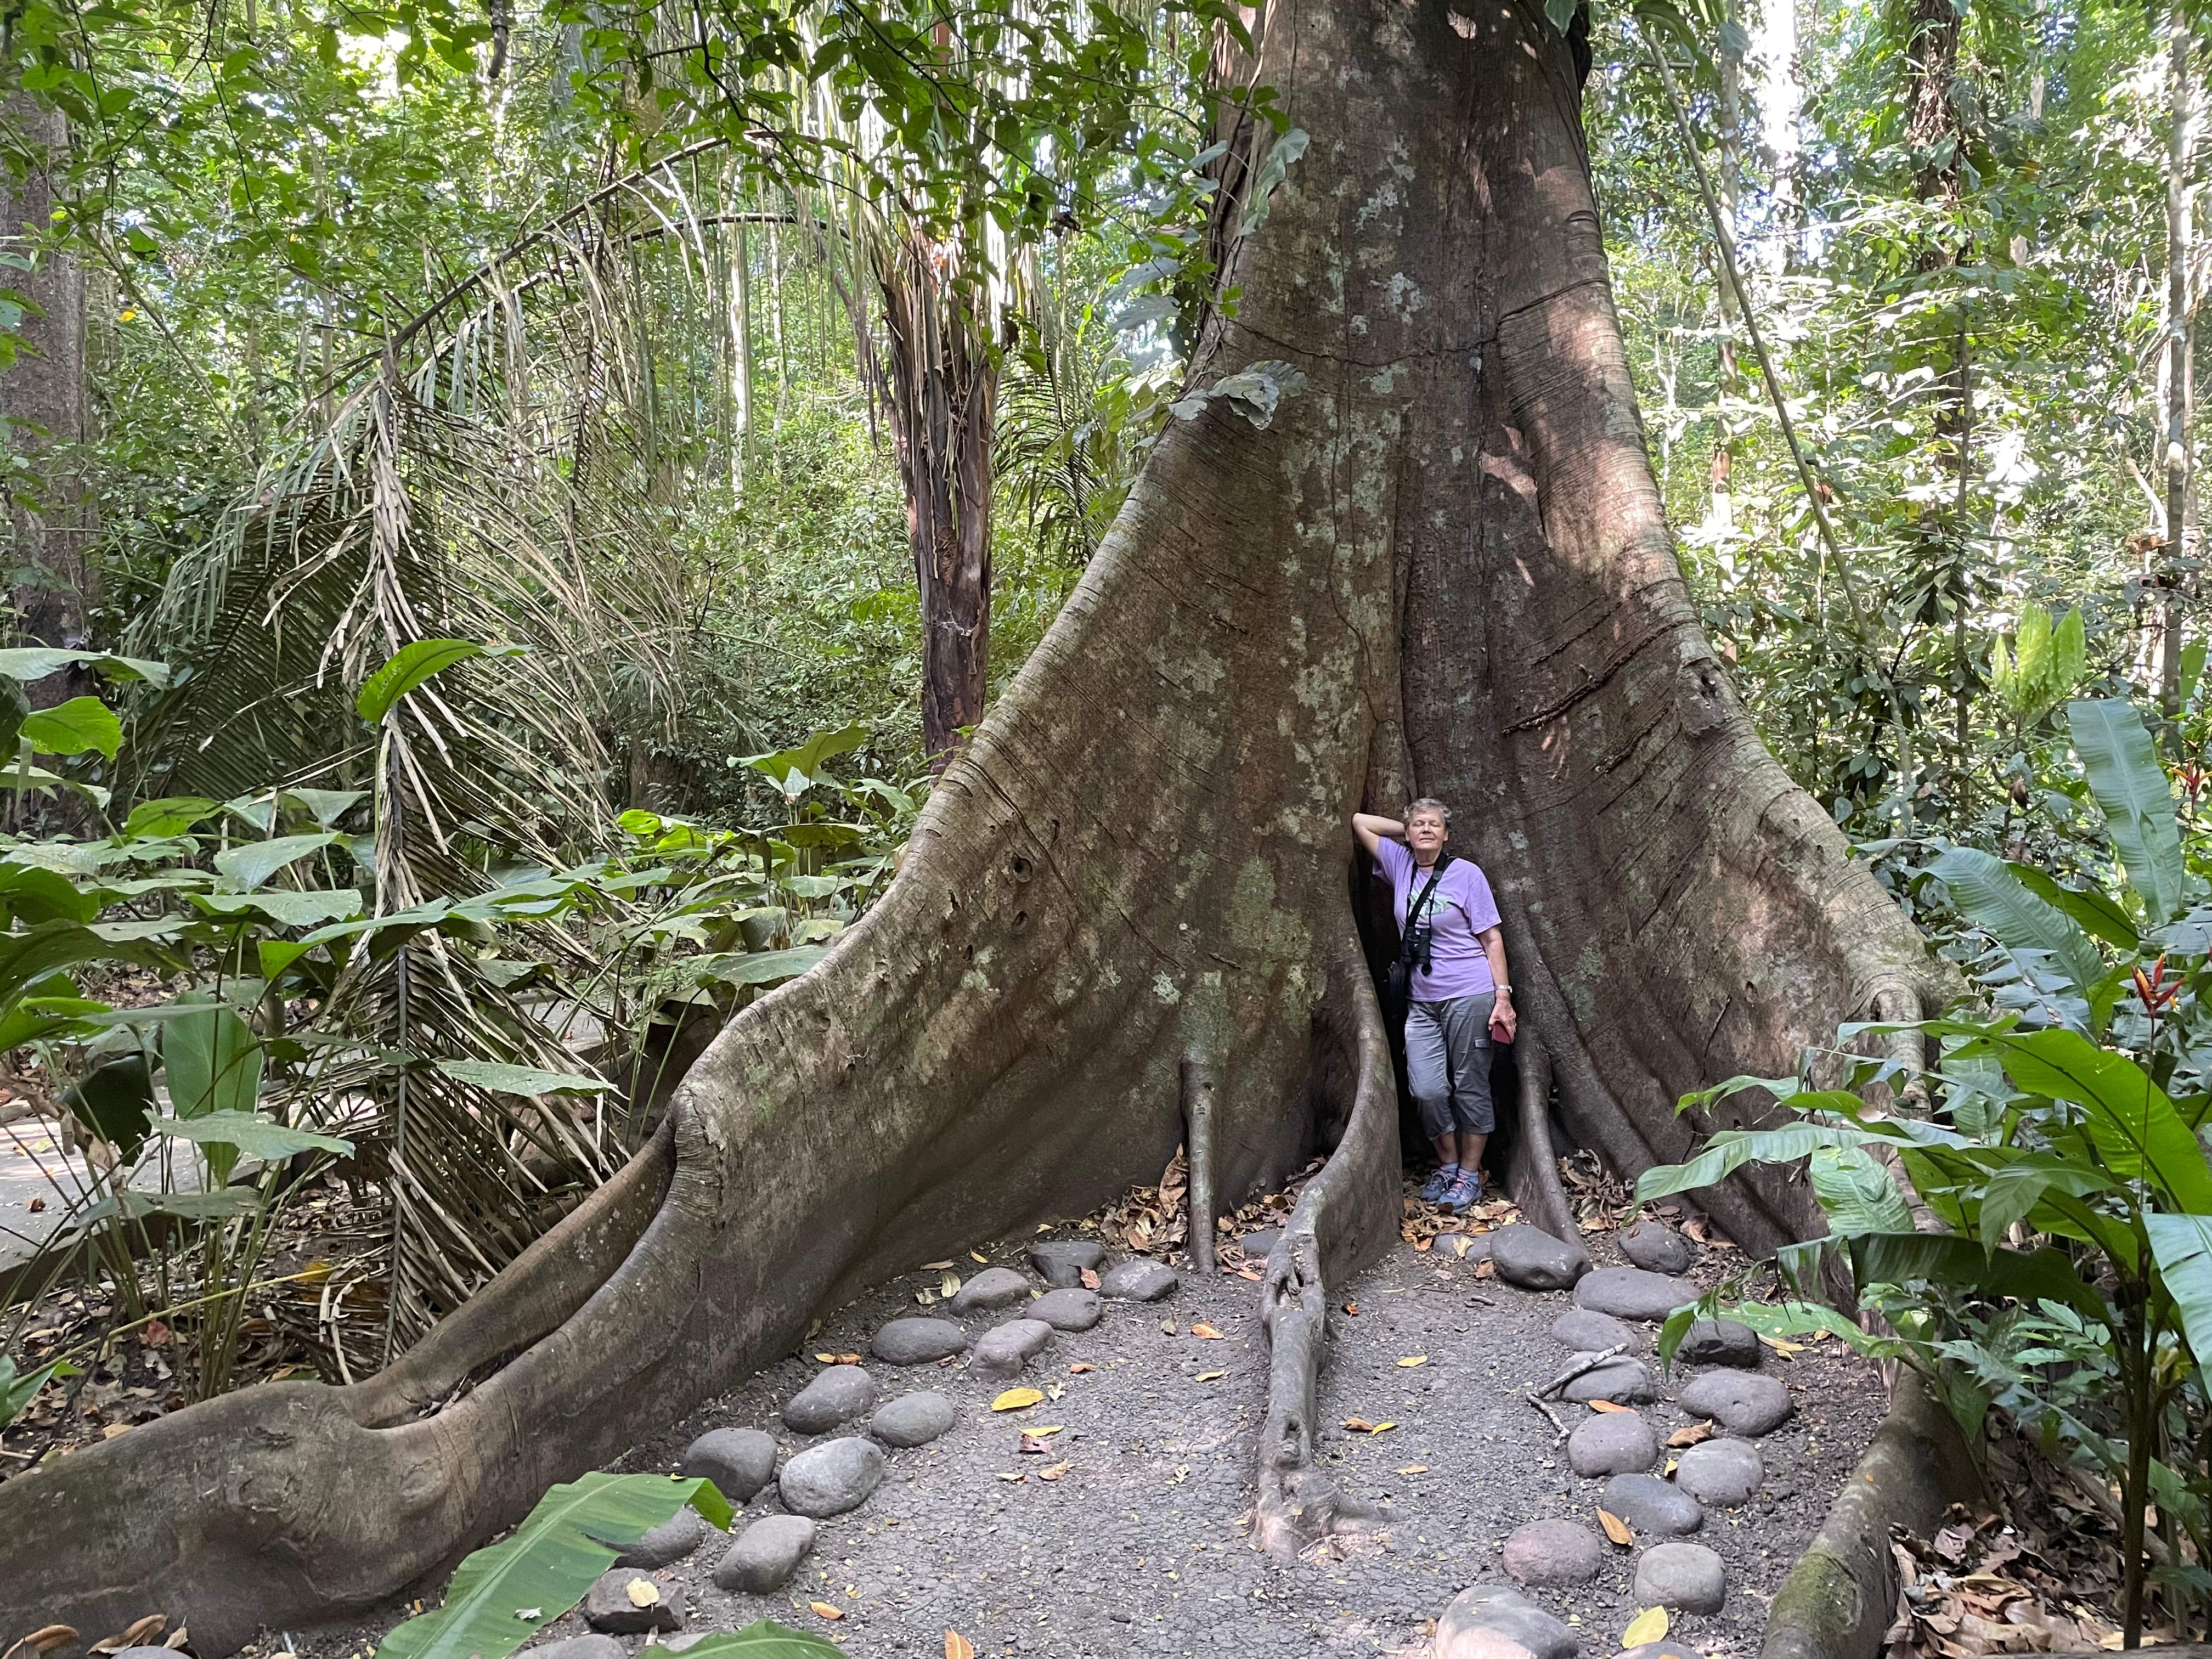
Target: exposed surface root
[(1345, 1215)]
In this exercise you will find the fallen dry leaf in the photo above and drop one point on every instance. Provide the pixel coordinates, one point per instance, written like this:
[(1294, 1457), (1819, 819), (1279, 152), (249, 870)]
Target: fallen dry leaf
[(979, 1256), (1055, 1389), (1168, 1326), (1414, 1468), (1361, 1425), (1485, 1269), (1460, 1245), (1423, 1245), (1412, 1360), (1090, 1277), (1787, 1350), (642, 1593), (1609, 1405), (1208, 1376), (1691, 1436), (957, 1646), (949, 1284), (827, 1358), (1673, 1464), (1616, 1529), (1013, 1477), (1649, 1625), (1015, 1400), (37, 1206), (1079, 1367), (1052, 1471), (1205, 1331), (1353, 1308), (827, 1610), (156, 1335), (1032, 1445), (934, 1267)]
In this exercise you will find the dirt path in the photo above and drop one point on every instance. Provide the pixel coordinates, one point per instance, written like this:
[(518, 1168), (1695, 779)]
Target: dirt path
[(1137, 1547)]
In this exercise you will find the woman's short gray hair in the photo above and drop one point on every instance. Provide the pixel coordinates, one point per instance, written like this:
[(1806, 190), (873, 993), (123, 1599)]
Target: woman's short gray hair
[(1428, 803)]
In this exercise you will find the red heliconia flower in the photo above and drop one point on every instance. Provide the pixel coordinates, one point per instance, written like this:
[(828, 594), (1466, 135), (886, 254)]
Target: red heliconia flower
[(2154, 989), (2193, 778)]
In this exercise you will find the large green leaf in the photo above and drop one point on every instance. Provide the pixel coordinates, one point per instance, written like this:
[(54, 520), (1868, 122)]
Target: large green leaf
[(17, 1392), (1857, 1193), (257, 861), (28, 957), (327, 805), (414, 666), (213, 1061), (2182, 1246), (166, 815), (2014, 1192), (219, 1205), (1731, 1148), (72, 727), (32, 895), (795, 771), (308, 908), (503, 1595), (249, 1132), (1961, 1264), (1992, 896), (504, 1080), (28, 662), (2138, 1134), (116, 1100), (2099, 912), (2131, 787), (763, 1640)]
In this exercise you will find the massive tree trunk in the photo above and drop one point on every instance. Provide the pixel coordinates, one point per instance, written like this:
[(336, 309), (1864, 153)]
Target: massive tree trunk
[(42, 398), (1443, 566)]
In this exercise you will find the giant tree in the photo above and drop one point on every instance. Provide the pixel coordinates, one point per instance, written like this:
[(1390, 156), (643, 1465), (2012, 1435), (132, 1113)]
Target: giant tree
[(1404, 536)]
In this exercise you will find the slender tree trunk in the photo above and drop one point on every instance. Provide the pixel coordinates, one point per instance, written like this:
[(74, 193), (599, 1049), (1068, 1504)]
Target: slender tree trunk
[(1781, 117), (1728, 388), (43, 399), (2178, 337), (943, 393), (1440, 568)]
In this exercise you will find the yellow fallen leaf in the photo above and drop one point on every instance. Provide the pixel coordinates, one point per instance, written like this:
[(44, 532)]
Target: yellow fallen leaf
[(1609, 1406), (949, 1284), (1413, 1359), (827, 1610), (1460, 1245), (643, 1593), (827, 1358), (1015, 1400), (1692, 1435), (1414, 1468), (1425, 1245), (1787, 1350), (932, 1266), (1013, 1477), (957, 1646), (1052, 1471), (1616, 1529), (1208, 1376), (1649, 1625), (1674, 1463), (1361, 1425), (1042, 1430), (978, 1255), (1205, 1331)]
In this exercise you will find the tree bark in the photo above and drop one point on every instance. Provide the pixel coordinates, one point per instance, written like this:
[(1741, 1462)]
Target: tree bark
[(943, 394), (2178, 334), (43, 399), (1441, 567)]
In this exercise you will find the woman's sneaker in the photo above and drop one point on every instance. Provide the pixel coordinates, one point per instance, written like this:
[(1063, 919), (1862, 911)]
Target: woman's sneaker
[(1440, 1183), (1460, 1196)]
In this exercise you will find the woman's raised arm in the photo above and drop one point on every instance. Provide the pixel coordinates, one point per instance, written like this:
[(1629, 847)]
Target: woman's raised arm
[(1371, 830)]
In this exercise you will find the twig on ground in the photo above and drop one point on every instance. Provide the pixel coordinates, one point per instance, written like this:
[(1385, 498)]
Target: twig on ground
[(1559, 1439), (1584, 1364)]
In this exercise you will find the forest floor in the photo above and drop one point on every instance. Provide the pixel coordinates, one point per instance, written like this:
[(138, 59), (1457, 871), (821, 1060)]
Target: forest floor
[(1138, 1544)]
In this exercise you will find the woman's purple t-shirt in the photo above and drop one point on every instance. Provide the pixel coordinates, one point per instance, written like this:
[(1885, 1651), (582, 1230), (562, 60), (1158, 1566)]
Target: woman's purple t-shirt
[(1459, 911)]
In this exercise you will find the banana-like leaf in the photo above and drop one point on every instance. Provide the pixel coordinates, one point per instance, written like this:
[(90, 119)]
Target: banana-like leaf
[(2131, 787), (763, 1640), (2099, 912), (1857, 1193), (504, 1595), (250, 1132), (1731, 1148), (2182, 1246), (285, 906), (505, 1079), (1779, 1319), (2138, 1134), (72, 727), (1961, 1264), (415, 665), (2016, 1191), (1992, 896)]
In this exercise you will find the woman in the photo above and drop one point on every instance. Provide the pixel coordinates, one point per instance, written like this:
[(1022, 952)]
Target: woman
[(1457, 996)]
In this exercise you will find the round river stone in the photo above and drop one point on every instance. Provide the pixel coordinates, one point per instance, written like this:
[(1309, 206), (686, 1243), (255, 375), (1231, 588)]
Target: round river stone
[(1139, 1280), (1742, 1402), (1612, 1443), (1648, 1504), (1554, 1554), (918, 1341), (831, 1478), (1689, 1577), (1723, 1472), (1533, 1260), (1482, 1615), (994, 1287), (1656, 1246), (837, 1395), (665, 1545), (912, 1420), (1261, 1244), (737, 1461), (1632, 1294), (608, 1605), (1621, 1380), (1594, 1333), (1719, 1342), (594, 1646), (1068, 1310), (766, 1554), (1006, 1348), (1061, 1262)]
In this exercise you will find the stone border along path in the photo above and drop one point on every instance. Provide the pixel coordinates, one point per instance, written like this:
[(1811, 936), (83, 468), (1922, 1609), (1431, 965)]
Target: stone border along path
[(1138, 1546)]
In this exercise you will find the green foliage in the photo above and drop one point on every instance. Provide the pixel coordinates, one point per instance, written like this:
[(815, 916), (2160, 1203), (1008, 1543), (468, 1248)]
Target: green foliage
[(506, 1593)]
